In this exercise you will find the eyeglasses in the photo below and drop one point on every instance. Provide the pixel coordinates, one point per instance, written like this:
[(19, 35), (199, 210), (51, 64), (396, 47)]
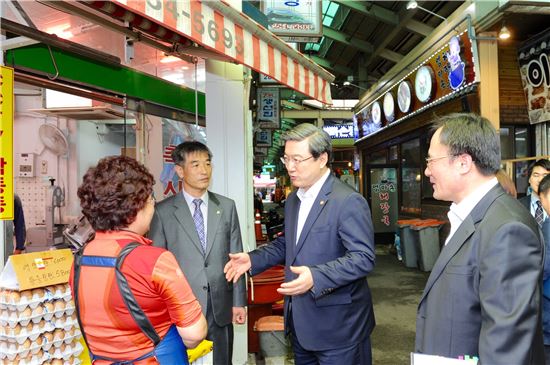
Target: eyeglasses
[(536, 175), (429, 160), (286, 161)]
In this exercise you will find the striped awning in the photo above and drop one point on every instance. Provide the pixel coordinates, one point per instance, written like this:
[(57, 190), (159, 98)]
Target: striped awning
[(220, 28)]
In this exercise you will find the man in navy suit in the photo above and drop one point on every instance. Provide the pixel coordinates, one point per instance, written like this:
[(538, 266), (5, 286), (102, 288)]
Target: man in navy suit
[(328, 251), (537, 171)]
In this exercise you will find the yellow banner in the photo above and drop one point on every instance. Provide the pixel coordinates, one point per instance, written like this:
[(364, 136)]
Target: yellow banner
[(6, 143)]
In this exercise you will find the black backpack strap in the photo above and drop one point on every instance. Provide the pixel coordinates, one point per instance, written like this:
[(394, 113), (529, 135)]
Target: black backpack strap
[(129, 299)]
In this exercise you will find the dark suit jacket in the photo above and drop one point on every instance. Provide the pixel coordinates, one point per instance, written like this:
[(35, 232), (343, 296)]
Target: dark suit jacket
[(337, 244), (173, 228), (483, 296), (526, 201)]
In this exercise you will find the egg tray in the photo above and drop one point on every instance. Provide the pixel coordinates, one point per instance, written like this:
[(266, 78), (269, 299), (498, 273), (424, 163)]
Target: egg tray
[(19, 300), (33, 330), (10, 317), (48, 358), (12, 351)]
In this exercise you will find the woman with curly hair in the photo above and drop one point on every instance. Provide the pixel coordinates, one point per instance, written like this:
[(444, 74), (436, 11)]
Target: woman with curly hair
[(119, 269)]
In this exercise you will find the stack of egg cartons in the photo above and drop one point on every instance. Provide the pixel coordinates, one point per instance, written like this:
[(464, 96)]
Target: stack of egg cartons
[(39, 326)]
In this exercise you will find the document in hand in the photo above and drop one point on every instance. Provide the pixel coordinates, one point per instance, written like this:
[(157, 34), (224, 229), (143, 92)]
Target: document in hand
[(423, 359)]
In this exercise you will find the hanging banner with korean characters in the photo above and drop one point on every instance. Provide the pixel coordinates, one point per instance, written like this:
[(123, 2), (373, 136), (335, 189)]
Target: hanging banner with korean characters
[(6, 143), (383, 186), (268, 108), (294, 21), (534, 68)]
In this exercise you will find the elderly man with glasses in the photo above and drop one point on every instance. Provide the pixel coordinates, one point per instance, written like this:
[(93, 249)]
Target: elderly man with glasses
[(327, 250)]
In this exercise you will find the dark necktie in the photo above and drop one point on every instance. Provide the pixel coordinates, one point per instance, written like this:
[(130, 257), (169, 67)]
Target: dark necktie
[(199, 223), (539, 214)]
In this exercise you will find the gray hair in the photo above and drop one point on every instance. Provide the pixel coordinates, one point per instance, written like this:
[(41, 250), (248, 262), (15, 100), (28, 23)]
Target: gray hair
[(468, 133), (318, 140)]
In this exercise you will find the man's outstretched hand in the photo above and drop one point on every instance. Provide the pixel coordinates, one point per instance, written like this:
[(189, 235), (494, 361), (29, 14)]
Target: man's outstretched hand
[(238, 264)]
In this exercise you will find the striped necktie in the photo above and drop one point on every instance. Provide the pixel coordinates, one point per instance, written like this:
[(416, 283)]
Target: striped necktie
[(539, 214), (199, 223)]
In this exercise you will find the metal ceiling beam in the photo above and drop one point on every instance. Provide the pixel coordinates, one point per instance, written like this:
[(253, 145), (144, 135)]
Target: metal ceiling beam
[(418, 27), (344, 38), (371, 10), (387, 39), (390, 55), (293, 105), (334, 67), (387, 16), (315, 114)]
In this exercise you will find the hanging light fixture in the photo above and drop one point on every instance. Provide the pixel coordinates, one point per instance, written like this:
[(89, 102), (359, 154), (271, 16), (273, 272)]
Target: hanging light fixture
[(504, 32), (413, 5)]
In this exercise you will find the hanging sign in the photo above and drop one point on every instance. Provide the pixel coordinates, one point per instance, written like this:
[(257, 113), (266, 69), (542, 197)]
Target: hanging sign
[(268, 108), (263, 138), (295, 20), (534, 61), (6, 143)]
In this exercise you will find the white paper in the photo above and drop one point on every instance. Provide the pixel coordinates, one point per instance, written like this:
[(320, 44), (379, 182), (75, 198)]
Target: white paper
[(423, 359), (8, 279)]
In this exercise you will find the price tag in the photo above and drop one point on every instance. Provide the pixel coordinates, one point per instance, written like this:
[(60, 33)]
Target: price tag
[(37, 269)]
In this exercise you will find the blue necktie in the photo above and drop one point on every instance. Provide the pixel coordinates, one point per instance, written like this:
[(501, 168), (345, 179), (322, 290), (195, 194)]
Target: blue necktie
[(199, 223), (539, 214)]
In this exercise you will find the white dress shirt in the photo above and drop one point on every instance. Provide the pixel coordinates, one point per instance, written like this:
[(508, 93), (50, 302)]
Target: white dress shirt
[(307, 198), (458, 212), (204, 208)]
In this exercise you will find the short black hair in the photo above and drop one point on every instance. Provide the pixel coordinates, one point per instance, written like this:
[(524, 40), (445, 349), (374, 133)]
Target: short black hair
[(544, 163), (183, 149), (544, 185)]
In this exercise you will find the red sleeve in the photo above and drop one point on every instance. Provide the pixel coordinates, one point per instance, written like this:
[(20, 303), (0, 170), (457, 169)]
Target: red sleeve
[(183, 307)]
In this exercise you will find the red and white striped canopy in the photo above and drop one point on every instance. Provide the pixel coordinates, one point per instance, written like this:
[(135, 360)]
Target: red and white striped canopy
[(217, 26)]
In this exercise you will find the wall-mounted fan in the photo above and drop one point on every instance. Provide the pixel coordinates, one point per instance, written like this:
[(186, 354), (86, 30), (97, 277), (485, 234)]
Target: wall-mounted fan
[(53, 139)]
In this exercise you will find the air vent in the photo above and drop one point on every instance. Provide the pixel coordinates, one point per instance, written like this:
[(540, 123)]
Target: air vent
[(83, 113)]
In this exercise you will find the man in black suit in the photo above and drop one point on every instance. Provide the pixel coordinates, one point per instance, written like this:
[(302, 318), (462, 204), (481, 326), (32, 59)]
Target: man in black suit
[(483, 296), (537, 171)]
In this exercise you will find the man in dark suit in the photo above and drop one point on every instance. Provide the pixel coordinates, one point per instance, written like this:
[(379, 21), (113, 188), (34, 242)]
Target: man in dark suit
[(328, 251), (483, 296), (201, 228), (543, 193), (531, 201)]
